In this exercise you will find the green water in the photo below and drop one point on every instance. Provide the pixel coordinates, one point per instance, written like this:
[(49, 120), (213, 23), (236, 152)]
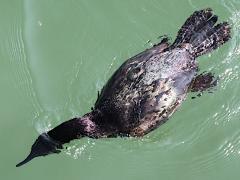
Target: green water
[(55, 55)]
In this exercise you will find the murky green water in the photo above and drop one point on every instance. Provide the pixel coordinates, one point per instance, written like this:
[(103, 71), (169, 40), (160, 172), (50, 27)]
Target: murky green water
[(55, 55)]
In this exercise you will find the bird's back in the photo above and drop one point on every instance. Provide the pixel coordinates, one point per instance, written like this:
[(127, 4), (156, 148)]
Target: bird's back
[(145, 90)]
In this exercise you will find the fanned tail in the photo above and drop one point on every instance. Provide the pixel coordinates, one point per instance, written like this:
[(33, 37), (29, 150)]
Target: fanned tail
[(201, 33)]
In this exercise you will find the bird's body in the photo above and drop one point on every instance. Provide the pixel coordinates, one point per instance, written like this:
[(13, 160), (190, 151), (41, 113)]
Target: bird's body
[(146, 90)]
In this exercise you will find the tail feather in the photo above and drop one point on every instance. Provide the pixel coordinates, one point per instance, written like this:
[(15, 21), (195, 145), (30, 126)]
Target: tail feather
[(201, 33), (219, 35), (196, 20)]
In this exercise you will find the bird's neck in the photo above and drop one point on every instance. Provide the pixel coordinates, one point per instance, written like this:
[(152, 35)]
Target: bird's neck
[(74, 129), (53, 140)]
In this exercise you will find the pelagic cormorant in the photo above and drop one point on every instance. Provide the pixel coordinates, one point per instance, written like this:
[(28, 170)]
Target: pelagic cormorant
[(146, 90)]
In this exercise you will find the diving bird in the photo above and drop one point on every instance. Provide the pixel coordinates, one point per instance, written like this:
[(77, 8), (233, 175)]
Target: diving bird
[(146, 89)]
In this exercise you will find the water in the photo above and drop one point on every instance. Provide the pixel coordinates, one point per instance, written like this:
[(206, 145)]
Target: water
[(55, 55)]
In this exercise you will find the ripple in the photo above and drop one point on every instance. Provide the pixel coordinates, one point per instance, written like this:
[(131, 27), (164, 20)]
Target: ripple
[(231, 145), (15, 46)]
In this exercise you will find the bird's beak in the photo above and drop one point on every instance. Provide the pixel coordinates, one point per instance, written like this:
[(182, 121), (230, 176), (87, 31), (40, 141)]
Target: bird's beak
[(43, 146)]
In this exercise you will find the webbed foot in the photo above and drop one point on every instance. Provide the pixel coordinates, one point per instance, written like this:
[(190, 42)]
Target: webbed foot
[(205, 81)]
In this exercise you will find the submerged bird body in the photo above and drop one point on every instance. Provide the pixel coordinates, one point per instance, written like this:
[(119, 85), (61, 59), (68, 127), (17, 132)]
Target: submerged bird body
[(146, 90)]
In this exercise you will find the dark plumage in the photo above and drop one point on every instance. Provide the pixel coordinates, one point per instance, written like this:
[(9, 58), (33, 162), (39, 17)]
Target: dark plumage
[(147, 89)]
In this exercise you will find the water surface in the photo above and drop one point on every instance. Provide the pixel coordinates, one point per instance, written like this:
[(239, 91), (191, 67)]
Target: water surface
[(55, 55)]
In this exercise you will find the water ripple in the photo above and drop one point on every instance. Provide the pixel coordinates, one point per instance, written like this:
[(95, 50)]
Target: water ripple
[(20, 67)]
